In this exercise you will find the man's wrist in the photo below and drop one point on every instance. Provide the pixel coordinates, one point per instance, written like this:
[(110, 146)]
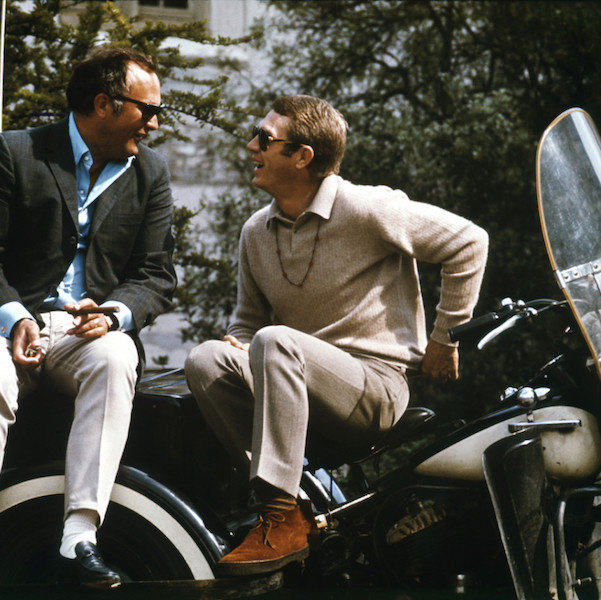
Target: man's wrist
[(14, 327), (124, 318), (112, 322), (10, 314)]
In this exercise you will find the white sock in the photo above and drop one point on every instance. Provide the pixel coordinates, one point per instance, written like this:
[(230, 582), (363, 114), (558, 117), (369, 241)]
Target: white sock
[(80, 526)]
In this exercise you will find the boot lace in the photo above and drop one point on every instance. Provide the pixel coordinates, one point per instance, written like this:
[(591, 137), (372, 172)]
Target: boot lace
[(267, 521)]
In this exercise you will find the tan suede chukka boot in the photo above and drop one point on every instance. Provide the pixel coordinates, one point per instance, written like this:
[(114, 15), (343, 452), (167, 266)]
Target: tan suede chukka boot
[(279, 537)]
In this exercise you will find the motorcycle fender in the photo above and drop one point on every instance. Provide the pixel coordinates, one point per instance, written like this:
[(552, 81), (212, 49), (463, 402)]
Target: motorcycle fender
[(572, 455), (517, 483)]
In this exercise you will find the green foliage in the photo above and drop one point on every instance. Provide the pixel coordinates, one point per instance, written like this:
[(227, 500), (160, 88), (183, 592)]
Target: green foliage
[(447, 101), (40, 53), (207, 291)]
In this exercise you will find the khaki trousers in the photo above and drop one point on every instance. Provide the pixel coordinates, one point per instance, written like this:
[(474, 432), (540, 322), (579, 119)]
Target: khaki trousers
[(266, 400), (101, 375)]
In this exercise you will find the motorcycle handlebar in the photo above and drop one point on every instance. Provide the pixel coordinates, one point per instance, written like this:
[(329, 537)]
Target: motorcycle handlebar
[(474, 328), (480, 326)]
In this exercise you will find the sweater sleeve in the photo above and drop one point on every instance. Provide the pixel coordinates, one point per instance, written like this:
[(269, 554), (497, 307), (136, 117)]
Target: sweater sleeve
[(431, 234), (252, 309)]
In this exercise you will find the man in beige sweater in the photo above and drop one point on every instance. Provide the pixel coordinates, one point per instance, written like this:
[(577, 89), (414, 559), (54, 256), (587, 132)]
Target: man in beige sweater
[(329, 318)]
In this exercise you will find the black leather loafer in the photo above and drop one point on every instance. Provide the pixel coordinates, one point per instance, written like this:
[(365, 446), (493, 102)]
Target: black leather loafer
[(89, 569)]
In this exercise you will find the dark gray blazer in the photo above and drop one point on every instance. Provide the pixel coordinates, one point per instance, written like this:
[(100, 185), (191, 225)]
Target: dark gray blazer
[(130, 243)]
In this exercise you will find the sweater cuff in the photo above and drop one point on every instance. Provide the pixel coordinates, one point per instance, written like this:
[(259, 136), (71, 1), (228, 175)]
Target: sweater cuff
[(442, 337)]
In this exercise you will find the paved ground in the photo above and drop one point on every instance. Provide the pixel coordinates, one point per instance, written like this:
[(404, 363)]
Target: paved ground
[(162, 339)]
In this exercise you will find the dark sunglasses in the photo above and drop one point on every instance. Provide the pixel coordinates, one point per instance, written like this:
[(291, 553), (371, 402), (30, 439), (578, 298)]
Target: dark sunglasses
[(148, 110), (265, 138)]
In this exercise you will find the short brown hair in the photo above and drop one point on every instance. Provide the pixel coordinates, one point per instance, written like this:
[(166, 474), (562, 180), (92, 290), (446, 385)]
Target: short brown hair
[(318, 124), (104, 72)]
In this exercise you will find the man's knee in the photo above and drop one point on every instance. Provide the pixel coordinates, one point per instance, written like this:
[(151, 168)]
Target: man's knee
[(205, 358), (9, 392), (272, 336), (9, 389), (211, 360), (274, 340), (9, 386), (115, 356)]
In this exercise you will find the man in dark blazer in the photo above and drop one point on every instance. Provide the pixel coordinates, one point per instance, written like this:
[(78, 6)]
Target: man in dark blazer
[(85, 221)]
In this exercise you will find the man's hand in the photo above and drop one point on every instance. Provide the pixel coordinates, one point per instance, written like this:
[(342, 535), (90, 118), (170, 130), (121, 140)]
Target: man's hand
[(27, 351), (91, 325), (440, 362), (236, 343)]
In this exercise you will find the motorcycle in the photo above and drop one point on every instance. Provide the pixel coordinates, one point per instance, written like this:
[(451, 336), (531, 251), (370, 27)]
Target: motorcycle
[(507, 498), (509, 501)]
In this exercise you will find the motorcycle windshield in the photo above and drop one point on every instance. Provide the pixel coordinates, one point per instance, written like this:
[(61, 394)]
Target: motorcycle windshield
[(568, 177)]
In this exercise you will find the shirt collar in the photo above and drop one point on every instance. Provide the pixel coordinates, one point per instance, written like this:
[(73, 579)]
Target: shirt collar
[(321, 204), (80, 148), (77, 143)]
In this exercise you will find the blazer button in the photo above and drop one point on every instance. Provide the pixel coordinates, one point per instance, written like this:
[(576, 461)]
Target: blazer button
[(73, 240)]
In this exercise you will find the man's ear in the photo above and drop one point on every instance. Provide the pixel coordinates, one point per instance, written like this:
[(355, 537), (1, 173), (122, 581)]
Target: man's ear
[(305, 156), (103, 106)]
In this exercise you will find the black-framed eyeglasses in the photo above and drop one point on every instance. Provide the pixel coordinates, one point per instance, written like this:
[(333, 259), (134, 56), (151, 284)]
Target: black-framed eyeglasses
[(148, 110), (265, 138)]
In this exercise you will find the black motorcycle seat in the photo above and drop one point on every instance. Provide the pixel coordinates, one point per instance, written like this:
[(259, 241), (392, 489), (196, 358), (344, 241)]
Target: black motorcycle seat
[(413, 418), (412, 421)]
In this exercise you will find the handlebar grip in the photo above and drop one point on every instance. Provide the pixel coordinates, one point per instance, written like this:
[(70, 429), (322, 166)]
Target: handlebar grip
[(473, 328)]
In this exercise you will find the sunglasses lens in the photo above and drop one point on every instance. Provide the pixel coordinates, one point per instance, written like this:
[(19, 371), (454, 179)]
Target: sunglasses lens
[(263, 140), (150, 110), (263, 137)]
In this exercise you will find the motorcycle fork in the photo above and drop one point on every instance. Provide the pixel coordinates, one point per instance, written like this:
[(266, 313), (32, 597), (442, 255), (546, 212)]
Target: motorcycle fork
[(566, 582)]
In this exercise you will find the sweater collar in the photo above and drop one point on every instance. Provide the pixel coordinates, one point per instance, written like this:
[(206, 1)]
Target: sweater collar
[(321, 204)]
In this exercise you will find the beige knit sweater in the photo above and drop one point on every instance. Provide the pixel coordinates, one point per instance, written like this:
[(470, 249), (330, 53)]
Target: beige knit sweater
[(362, 293)]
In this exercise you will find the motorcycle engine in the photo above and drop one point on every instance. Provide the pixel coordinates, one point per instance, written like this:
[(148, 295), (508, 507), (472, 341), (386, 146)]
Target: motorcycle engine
[(434, 537)]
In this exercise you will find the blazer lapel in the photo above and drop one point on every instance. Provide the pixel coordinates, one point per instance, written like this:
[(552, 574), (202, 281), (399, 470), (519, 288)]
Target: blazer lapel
[(106, 201), (62, 164)]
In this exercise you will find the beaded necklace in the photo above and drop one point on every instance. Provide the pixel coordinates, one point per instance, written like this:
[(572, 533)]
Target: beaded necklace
[(279, 253)]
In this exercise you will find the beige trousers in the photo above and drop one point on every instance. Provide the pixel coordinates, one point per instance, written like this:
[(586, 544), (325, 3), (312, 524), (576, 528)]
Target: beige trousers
[(101, 375), (267, 399)]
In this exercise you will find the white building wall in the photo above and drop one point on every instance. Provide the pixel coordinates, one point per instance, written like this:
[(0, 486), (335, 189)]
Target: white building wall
[(230, 18), (233, 18)]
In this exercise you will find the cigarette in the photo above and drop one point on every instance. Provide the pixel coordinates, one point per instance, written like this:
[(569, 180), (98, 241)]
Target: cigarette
[(93, 310)]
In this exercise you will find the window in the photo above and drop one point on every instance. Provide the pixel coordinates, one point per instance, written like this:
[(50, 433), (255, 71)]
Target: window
[(165, 3)]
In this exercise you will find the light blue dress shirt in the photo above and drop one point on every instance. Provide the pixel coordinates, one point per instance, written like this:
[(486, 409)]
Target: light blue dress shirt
[(73, 286)]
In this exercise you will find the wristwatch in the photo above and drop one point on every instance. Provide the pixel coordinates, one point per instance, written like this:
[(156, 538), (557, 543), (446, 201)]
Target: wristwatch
[(112, 322)]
